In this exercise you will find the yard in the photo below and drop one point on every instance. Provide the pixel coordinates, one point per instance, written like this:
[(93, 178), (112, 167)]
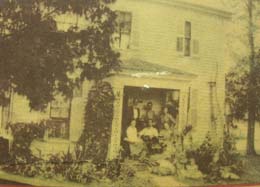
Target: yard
[(241, 133), (143, 175), (143, 178), (251, 173)]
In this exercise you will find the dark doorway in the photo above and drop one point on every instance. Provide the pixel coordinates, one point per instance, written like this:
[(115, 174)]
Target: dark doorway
[(141, 97)]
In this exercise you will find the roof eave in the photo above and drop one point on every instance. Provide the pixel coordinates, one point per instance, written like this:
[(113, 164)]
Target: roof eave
[(202, 8), (153, 75)]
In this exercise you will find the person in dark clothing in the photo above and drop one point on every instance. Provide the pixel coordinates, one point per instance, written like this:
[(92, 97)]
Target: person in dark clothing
[(150, 114), (133, 112)]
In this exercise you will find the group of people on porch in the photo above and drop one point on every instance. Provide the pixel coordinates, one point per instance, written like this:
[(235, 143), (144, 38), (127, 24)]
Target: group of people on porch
[(146, 131)]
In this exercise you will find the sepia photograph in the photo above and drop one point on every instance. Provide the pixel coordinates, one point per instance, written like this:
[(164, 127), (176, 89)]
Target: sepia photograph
[(130, 93)]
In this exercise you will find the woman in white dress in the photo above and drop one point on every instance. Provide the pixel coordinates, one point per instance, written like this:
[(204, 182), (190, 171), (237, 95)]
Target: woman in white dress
[(135, 143)]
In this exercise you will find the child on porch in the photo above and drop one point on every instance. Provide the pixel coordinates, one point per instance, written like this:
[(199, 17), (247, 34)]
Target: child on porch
[(167, 139), (166, 117)]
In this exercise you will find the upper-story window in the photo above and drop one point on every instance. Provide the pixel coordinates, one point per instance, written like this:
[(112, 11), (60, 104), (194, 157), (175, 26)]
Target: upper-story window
[(123, 30), (187, 38), (185, 43)]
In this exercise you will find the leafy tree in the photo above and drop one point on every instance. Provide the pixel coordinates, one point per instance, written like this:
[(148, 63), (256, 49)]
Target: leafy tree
[(243, 81), (37, 59), (237, 90), (252, 83)]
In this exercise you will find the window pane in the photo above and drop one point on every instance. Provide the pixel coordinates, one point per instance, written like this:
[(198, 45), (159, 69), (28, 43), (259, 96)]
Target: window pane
[(187, 29), (187, 47), (126, 28), (59, 108), (124, 23), (58, 125), (119, 16), (58, 129)]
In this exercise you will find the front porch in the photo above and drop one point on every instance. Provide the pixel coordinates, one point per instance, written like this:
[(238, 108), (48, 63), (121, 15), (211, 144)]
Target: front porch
[(147, 82)]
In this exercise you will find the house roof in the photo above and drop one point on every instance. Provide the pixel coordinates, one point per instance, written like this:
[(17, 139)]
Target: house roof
[(216, 7), (144, 67)]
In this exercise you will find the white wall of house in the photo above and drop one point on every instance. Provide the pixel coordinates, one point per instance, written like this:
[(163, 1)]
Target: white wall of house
[(155, 28), (20, 111), (154, 31)]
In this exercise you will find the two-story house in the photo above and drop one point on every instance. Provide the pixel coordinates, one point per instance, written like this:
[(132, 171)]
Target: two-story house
[(172, 51)]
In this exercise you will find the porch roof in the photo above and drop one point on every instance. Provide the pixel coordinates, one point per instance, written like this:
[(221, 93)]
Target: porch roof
[(141, 66)]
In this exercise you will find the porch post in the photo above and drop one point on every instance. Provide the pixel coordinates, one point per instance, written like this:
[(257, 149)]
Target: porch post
[(183, 108), (114, 147)]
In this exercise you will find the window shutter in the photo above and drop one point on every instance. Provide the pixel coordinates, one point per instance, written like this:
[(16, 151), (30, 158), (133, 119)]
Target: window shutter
[(196, 48), (179, 44)]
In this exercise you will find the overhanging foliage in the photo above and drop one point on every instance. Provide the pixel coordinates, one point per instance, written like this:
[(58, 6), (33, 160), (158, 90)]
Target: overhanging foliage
[(37, 59)]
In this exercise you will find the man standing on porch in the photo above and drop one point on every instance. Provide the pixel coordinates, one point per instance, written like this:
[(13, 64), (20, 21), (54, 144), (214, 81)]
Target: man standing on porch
[(150, 114), (133, 112)]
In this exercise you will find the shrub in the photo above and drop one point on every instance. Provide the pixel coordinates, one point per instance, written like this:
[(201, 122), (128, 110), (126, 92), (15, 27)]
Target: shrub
[(21, 158), (113, 169), (69, 168), (204, 155), (218, 163), (117, 170), (229, 165)]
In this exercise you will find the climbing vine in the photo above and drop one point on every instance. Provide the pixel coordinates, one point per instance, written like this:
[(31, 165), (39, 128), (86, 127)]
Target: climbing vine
[(98, 120)]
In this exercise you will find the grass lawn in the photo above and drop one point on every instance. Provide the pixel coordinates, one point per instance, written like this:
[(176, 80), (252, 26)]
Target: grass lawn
[(241, 134), (251, 173)]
